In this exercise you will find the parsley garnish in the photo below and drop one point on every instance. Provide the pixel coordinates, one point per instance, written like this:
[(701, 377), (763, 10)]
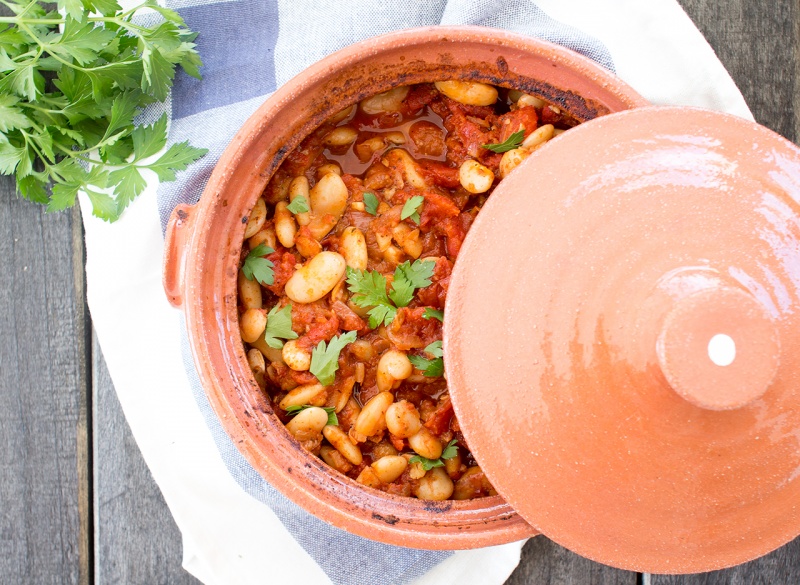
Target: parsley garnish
[(332, 418), (369, 289), (371, 203), (450, 451), (411, 208), (430, 368), (298, 205), (510, 143), (77, 132), (409, 277), (433, 314), (325, 357), (279, 326), (258, 267)]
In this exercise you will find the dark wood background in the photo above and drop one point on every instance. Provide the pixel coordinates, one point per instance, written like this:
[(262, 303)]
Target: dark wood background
[(77, 503)]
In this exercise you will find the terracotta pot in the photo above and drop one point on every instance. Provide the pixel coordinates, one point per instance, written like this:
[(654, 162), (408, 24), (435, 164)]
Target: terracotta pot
[(204, 242)]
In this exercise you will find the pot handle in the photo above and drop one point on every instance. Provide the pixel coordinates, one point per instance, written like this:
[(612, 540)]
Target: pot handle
[(178, 230)]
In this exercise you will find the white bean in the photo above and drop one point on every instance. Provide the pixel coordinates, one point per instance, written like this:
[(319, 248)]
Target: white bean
[(346, 393), (399, 159), (366, 148), (514, 95), (327, 198), (307, 423), (257, 218), (371, 418), (338, 117), (329, 195), (321, 226), (475, 177), (539, 136), (471, 93), (395, 137), (402, 419), (255, 359), (415, 470), (529, 100), (453, 465), (389, 468), (341, 136), (393, 255), (362, 350), (296, 357), (299, 188), (383, 241), (388, 101), (252, 324), (436, 485), (249, 292), (285, 227), (408, 239), (424, 443), (353, 246), (313, 394), (264, 236), (316, 277), (511, 160), (393, 367), (329, 168), (342, 443), (272, 354)]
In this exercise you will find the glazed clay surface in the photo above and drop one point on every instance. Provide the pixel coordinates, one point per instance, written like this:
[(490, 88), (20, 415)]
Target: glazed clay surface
[(204, 245), (624, 361)]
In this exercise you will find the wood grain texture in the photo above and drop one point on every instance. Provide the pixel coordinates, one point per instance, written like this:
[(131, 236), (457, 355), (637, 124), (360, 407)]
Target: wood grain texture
[(546, 563), (44, 536), (758, 44), (137, 541)]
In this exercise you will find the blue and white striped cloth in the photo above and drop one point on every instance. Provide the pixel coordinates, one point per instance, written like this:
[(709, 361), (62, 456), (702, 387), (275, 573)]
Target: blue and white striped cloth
[(249, 48)]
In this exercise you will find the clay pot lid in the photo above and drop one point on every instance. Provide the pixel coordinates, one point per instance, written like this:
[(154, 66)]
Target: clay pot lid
[(622, 340)]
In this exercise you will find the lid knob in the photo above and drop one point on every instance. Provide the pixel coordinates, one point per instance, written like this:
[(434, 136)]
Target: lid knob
[(718, 348)]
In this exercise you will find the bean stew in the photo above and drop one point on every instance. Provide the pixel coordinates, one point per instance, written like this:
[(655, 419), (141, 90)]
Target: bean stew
[(345, 269)]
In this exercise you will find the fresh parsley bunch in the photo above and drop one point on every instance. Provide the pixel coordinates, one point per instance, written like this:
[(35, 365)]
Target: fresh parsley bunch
[(71, 82)]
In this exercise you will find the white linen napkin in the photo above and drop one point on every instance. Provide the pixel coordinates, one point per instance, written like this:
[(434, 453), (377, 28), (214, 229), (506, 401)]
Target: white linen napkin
[(235, 527)]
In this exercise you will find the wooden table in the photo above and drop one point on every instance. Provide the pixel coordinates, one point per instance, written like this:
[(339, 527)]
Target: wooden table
[(77, 503)]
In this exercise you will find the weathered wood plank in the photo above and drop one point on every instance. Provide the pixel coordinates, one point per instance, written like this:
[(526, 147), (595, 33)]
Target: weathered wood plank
[(754, 42), (136, 540), (44, 511), (781, 566), (545, 562), (759, 43)]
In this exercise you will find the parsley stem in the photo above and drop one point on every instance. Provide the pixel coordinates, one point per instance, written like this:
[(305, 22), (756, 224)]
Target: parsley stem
[(78, 154), (18, 19), (30, 142), (28, 7), (32, 106)]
